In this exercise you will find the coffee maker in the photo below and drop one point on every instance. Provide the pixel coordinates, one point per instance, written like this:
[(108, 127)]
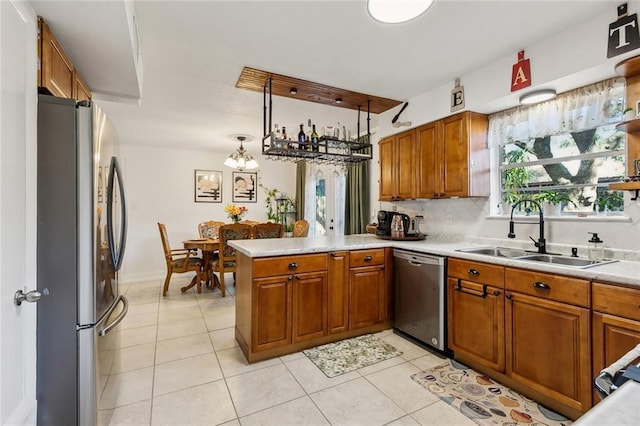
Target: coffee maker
[(385, 218)]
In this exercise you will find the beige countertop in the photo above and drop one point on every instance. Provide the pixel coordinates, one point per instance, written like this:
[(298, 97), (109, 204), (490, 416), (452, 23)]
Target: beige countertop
[(621, 272)]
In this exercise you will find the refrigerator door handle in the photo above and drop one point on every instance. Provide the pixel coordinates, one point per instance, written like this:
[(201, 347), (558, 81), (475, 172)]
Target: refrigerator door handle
[(111, 326), (116, 256)]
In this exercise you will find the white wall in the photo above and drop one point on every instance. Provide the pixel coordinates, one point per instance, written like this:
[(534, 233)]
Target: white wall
[(160, 188), (563, 61)]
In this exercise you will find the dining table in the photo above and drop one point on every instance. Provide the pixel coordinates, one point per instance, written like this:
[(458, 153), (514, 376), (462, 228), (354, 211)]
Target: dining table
[(208, 247)]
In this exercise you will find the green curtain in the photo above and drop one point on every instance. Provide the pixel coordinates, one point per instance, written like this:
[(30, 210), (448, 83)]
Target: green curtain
[(356, 213), (301, 172)]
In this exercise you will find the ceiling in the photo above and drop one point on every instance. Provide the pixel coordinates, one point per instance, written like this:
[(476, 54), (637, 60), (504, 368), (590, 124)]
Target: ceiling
[(194, 51)]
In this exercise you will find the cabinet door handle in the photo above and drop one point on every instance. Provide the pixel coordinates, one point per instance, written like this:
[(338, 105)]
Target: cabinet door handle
[(541, 285), (293, 265), (368, 258), (472, 292), (473, 272), (289, 278), (297, 277), (508, 296), (333, 254)]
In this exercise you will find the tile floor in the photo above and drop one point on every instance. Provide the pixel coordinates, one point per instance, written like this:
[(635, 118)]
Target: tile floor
[(174, 361)]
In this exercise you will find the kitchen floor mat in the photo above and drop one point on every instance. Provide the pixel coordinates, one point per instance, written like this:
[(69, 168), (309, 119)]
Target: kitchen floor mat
[(334, 359), (482, 400)]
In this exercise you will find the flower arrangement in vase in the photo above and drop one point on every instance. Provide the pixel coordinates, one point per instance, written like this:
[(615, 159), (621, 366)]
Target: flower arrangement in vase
[(235, 212)]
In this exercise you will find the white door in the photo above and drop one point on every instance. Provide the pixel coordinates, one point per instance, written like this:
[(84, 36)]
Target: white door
[(18, 54), (329, 195)]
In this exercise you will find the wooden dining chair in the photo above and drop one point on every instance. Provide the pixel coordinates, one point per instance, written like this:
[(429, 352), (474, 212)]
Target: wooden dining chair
[(268, 230), (209, 229), (226, 260), (300, 228), (179, 261)]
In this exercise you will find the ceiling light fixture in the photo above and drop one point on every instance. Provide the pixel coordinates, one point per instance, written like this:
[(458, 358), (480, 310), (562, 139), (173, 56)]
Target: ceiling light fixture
[(241, 159), (293, 91), (338, 100), (537, 96), (397, 11)]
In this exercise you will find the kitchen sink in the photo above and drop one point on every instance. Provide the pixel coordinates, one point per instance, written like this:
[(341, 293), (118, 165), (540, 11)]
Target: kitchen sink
[(497, 251), (518, 254), (577, 262)]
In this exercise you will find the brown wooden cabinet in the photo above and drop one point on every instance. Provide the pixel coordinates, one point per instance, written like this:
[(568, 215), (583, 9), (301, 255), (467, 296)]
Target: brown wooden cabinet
[(476, 312), (288, 303), (615, 322), (453, 157), (56, 74), (309, 305), (338, 305), (548, 336), (398, 167), (367, 288)]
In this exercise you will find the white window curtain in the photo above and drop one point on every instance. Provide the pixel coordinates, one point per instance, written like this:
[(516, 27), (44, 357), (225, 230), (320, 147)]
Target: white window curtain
[(580, 109)]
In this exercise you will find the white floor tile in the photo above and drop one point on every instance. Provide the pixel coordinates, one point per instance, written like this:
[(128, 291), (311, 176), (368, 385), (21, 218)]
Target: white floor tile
[(264, 388), (301, 411), (181, 328), (127, 388), (137, 336), (396, 384), (138, 320), (133, 358), (223, 317), (233, 362), (404, 421), (138, 413), (185, 373), (409, 350), (224, 339), (207, 404), (183, 347), (428, 361), (441, 414), (176, 315), (312, 379), (356, 402)]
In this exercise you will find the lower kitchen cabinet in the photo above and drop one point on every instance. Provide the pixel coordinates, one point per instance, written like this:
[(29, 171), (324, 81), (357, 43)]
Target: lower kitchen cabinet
[(616, 323), (476, 322), (548, 336), (309, 305), (288, 303), (273, 308), (475, 312), (367, 288)]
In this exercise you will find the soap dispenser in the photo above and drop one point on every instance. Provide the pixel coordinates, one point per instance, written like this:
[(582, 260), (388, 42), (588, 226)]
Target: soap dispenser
[(596, 251)]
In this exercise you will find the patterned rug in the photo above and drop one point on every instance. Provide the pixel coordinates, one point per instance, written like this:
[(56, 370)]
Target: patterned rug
[(347, 355), (482, 400)]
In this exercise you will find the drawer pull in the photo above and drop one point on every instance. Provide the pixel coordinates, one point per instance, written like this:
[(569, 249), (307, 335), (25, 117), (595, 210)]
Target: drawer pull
[(473, 272), (541, 285), (472, 292), (293, 265), (368, 258)]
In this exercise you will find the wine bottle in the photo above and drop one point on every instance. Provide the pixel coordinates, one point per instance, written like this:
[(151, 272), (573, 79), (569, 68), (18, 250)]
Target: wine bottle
[(314, 139), (302, 138)]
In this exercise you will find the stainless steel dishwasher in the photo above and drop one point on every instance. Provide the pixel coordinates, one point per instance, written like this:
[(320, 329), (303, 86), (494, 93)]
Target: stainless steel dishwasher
[(419, 296)]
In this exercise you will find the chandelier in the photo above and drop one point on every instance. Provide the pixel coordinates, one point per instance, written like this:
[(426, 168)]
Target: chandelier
[(241, 159)]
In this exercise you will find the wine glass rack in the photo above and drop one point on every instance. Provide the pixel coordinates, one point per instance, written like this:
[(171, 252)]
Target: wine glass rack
[(328, 149)]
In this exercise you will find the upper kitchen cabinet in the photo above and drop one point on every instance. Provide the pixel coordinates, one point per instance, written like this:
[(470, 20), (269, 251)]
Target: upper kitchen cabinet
[(398, 167), (56, 73), (101, 44), (453, 157)]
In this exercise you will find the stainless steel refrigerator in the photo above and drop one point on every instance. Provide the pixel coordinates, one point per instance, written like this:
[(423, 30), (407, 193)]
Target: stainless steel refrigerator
[(82, 227)]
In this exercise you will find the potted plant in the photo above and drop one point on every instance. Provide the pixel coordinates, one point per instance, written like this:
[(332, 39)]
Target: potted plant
[(628, 114), (608, 202), (288, 230), (552, 201)]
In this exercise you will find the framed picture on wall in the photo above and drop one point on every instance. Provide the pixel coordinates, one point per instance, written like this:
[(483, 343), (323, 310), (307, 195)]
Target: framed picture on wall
[(208, 186), (244, 187)]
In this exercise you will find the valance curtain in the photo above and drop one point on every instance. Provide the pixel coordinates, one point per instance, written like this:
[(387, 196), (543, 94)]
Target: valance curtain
[(580, 109)]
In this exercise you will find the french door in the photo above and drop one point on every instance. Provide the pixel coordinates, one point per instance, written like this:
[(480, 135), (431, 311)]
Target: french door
[(329, 183)]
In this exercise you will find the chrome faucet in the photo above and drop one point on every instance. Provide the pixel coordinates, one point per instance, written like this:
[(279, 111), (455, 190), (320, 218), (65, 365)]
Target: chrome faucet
[(541, 244)]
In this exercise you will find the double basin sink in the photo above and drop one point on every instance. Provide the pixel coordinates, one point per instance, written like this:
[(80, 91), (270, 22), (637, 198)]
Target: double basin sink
[(558, 259)]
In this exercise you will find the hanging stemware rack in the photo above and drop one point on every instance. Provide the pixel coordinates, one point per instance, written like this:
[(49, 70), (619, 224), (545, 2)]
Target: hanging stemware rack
[(328, 150)]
